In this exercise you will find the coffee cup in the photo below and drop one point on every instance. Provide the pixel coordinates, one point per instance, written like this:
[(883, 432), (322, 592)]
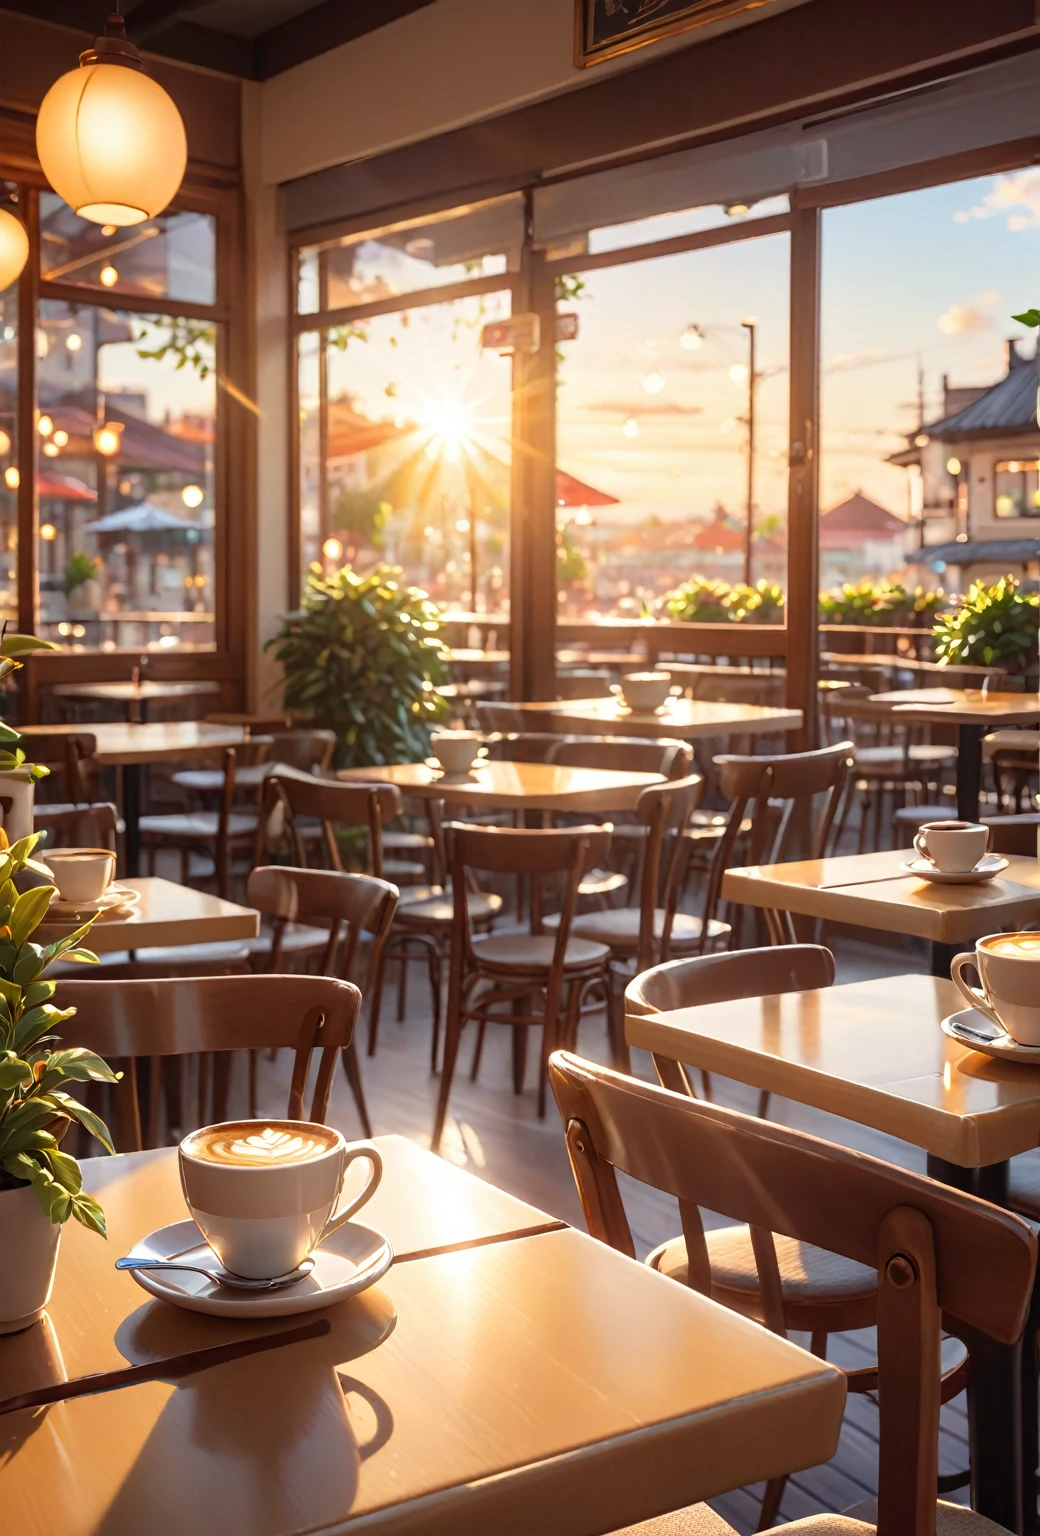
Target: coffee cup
[(81, 874), (1008, 966), (954, 847), (455, 750), (646, 690), (263, 1193)]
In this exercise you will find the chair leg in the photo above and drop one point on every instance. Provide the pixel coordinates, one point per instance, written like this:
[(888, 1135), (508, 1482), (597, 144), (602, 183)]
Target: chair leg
[(520, 1032), (478, 1051), (402, 986), (352, 1068), (771, 1502), (375, 1004), (433, 961), (452, 1035), (763, 1104), (619, 1052)]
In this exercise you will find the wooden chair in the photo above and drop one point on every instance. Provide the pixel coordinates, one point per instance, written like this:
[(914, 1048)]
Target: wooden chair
[(69, 756), (129, 1021), (218, 834), (518, 970), (642, 935), (507, 718), (777, 795), (1014, 834), (920, 1252), (347, 907), (582, 683), (723, 978), (77, 826)]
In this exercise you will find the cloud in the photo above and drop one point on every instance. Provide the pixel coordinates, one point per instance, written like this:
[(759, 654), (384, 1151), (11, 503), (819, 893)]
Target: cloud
[(959, 319), (644, 407), (1018, 192)]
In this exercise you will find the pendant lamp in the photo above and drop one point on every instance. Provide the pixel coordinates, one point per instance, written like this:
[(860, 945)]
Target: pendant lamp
[(14, 247), (110, 140)]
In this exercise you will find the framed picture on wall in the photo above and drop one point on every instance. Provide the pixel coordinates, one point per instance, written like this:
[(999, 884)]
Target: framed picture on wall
[(605, 28)]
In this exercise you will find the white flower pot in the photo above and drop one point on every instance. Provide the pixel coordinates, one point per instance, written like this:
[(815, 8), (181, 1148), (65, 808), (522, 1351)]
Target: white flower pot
[(17, 792), (28, 1255)]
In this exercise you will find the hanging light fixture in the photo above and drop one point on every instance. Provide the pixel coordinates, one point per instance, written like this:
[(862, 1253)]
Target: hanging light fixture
[(110, 140), (14, 246)]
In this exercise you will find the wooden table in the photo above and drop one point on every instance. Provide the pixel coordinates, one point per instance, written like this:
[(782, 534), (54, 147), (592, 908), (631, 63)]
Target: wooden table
[(516, 786), (687, 719), (168, 914), (974, 712), (869, 890), (873, 1052), (468, 656), (131, 746), (507, 1375), (136, 696)]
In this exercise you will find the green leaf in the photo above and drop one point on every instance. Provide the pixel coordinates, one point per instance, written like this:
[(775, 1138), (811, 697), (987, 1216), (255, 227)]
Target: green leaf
[(78, 1065), (29, 911), (14, 1072), (66, 1170), (87, 1211), (1029, 317), (86, 1118)]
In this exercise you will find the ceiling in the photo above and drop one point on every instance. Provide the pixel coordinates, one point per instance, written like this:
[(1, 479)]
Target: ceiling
[(253, 39)]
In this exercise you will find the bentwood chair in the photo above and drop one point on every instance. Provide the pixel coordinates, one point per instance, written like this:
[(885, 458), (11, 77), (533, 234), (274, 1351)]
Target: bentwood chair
[(347, 908), (924, 1254), (94, 825), (518, 972), (219, 834), (69, 757), (130, 1021)]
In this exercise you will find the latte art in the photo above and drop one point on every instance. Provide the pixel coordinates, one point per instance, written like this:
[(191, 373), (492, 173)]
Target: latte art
[(1021, 946), (251, 1144)]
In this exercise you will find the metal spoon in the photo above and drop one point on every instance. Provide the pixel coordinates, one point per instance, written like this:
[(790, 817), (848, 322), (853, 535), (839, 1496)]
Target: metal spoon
[(222, 1276)]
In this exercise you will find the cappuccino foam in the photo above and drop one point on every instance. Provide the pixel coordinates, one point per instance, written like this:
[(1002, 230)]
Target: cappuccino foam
[(267, 1144), (1020, 946)]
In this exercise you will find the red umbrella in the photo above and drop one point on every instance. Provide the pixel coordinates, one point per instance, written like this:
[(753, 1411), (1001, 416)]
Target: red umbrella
[(572, 492), (54, 487)]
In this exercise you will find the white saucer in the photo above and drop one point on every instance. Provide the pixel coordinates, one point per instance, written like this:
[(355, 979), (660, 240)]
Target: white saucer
[(354, 1258), (992, 864), (972, 1028), (466, 775), (115, 902)]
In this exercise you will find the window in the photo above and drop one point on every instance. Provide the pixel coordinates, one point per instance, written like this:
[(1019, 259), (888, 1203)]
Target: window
[(10, 477), (1016, 488), (170, 257)]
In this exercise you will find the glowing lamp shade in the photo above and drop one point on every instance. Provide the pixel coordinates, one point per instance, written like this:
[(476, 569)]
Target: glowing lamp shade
[(108, 439), (110, 140), (14, 248)]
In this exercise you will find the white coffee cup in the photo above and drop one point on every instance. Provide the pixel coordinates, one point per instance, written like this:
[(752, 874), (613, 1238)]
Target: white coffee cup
[(455, 750), (954, 847), (263, 1192), (646, 690), (81, 874), (1008, 965)]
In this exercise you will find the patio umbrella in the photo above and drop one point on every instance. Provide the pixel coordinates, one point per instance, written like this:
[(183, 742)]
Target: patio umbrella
[(144, 518)]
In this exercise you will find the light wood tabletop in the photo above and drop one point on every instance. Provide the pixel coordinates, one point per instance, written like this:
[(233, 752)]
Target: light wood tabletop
[(135, 693), (871, 1051), (869, 890), (167, 914), (531, 1383), (688, 719), (156, 741), (962, 706), (516, 786)]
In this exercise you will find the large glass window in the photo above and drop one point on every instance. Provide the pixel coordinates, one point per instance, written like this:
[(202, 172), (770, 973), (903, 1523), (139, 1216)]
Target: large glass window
[(10, 478), (1016, 488), (672, 427), (169, 257)]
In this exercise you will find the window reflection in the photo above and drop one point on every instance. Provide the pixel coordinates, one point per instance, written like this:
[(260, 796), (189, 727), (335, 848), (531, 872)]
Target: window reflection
[(169, 257)]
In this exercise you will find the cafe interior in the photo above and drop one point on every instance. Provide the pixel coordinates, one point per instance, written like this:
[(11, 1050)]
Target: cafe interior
[(520, 753)]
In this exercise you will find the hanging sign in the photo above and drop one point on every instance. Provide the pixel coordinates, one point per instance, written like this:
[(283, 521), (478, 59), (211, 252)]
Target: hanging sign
[(567, 327), (520, 333)]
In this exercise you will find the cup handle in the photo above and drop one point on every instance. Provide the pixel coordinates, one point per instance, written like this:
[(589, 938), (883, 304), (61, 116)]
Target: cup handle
[(972, 995), (921, 847), (363, 1149)]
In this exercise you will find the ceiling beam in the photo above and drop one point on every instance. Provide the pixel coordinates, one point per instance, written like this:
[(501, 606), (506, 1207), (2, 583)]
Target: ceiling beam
[(317, 31), (154, 16)]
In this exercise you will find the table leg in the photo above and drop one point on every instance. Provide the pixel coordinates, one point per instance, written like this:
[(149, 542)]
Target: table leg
[(1003, 1459), (969, 770), (133, 774)]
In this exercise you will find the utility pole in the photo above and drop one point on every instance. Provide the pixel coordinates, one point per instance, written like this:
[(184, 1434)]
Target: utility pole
[(750, 325)]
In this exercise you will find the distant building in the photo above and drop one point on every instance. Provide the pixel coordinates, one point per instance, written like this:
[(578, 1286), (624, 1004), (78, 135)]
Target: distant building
[(975, 481), (860, 538)]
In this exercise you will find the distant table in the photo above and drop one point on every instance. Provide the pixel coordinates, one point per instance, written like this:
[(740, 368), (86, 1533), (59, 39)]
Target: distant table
[(506, 1375), (131, 746), (974, 712), (468, 656), (869, 890), (168, 914), (873, 1052), (136, 696), (688, 719), (516, 786)]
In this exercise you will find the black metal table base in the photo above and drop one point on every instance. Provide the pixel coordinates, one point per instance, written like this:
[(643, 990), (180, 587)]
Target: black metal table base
[(133, 776)]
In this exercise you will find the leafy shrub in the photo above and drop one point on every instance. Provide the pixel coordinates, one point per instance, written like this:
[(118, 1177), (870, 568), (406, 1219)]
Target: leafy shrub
[(362, 656), (762, 603), (699, 601), (993, 624), (864, 602), (79, 568)]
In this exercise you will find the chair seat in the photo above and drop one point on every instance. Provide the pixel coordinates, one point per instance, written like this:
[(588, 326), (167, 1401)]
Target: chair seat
[(694, 1520), (402, 841), (916, 816), (1025, 742), (197, 826), (602, 882), (859, 1520), (430, 906), (619, 927), (1024, 1185), (534, 952), (809, 1277)]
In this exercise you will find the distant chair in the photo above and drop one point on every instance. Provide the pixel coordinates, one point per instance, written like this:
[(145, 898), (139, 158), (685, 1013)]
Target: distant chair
[(77, 826), (69, 757), (218, 834)]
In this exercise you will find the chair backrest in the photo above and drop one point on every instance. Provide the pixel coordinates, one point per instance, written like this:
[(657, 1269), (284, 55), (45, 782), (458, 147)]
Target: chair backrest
[(360, 903), (1014, 834), (665, 811), (77, 826), (523, 747), (582, 684), (334, 803), (935, 1249), (777, 790), (124, 1020), (304, 750), (763, 688), (66, 754), (284, 720), (626, 754), (722, 978), (500, 717)]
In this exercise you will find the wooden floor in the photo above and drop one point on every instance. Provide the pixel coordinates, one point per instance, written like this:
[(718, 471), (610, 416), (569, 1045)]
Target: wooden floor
[(498, 1136)]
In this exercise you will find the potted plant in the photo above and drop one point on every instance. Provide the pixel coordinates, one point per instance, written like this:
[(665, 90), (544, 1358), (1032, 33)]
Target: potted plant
[(81, 584), (762, 603), (17, 777), (993, 624), (362, 655), (699, 601), (40, 1185)]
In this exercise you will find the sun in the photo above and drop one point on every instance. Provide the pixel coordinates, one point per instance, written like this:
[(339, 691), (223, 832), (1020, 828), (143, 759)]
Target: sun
[(450, 425)]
